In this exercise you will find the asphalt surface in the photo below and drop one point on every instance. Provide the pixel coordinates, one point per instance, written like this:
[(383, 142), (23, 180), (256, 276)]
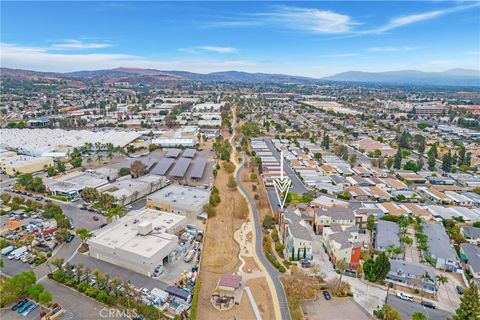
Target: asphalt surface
[(274, 274), (406, 309), (297, 185)]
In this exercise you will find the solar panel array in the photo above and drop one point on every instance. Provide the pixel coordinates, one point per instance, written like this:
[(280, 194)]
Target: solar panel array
[(198, 168), (180, 167), (189, 153), (173, 153), (163, 165)]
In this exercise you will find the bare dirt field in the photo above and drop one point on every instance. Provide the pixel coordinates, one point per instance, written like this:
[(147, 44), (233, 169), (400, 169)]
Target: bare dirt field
[(220, 251), (262, 296)]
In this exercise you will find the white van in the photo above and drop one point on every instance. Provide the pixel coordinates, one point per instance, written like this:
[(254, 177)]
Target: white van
[(405, 296)]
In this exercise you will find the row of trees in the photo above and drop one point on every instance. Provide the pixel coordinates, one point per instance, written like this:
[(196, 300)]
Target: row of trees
[(20, 285), (31, 183), (113, 292)]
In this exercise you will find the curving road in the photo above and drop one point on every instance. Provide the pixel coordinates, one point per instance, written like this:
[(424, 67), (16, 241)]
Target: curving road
[(274, 273)]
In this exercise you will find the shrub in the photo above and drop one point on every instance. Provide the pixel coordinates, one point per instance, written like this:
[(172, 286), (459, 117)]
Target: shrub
[(268, 222), (229, 167)]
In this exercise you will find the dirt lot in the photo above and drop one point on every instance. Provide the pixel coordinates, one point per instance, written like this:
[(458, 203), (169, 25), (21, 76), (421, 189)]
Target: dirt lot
[(220, 251), (262, 296), (335, 309), (220, 254)]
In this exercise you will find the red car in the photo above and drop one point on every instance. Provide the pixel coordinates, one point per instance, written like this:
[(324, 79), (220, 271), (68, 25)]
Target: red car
[(95, 218)]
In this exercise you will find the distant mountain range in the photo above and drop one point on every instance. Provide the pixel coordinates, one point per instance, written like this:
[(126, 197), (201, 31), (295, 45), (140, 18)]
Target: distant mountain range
[(460, 77), (453, 77)]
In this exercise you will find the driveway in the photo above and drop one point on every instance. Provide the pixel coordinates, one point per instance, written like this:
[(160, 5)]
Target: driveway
[(448, 298), (411, 252), (323, 309)]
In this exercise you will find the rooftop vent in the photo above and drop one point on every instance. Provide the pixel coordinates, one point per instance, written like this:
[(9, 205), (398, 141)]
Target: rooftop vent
[(145, 227)]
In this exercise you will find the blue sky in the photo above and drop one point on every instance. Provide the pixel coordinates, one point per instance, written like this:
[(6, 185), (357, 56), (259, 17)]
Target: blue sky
[(300, 38)]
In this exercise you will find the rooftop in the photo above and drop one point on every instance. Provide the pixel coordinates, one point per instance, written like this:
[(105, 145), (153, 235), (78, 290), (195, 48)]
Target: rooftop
[(125, 236), (184, 196)]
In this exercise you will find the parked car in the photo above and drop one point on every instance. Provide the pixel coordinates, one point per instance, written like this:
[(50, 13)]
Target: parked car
[(69, 238), (95, 218), (326, 295), (459, 289), (103, 225), (32, 307), (428, 304), (405, 296), (18, 304), (305, 263)]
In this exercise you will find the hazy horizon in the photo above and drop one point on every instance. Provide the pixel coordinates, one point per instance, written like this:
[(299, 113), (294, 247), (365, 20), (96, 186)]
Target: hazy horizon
[(309, 39)]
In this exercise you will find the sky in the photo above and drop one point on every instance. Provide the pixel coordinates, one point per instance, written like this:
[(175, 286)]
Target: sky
[(314, 39)]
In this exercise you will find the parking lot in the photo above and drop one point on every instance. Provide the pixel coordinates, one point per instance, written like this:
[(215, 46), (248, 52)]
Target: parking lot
[(15, 315), (337, 308)]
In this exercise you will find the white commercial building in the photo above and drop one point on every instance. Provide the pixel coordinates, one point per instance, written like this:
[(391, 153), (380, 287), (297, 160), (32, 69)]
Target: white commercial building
[(139, 241), (184, 200)]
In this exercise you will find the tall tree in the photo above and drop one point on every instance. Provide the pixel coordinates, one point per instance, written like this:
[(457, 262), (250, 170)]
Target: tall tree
[(137, 169), (470, 305), (397, 162), (432, 156), (447, 162)]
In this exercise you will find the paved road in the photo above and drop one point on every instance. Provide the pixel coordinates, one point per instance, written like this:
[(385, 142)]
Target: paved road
[(406, 309), (297, 185), (274, 274)]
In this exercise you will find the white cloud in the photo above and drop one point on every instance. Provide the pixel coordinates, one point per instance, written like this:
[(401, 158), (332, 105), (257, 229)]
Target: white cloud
[(473, 53), (214, 49), (78, 45), (392, 49), (341, 55), (42, 59), (413, 18), (312, 20)]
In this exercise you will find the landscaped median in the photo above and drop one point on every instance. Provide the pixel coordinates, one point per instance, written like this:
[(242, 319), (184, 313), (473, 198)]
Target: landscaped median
[(267, 249)]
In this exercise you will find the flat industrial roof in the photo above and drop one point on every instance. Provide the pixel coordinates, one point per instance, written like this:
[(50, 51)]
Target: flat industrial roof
[(51, 140), (188, 197), (124, 234)]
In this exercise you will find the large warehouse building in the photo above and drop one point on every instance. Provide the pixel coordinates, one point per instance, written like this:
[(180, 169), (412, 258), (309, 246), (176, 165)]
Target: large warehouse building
[(11, 163), (140, 241), (183, 200)]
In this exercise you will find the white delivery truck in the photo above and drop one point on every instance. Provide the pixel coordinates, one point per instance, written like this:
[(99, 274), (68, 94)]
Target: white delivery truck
[(17, 252), (159, 296)]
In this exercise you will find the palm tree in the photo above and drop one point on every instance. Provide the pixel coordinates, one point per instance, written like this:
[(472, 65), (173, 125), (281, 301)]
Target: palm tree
[(340, 266), (58, 263), (79, 269), (116, 282), (84, 234), (441, 279)]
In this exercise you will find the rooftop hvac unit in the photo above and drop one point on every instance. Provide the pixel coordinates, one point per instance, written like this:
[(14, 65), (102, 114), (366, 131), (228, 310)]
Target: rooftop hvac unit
[(145, 227)]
